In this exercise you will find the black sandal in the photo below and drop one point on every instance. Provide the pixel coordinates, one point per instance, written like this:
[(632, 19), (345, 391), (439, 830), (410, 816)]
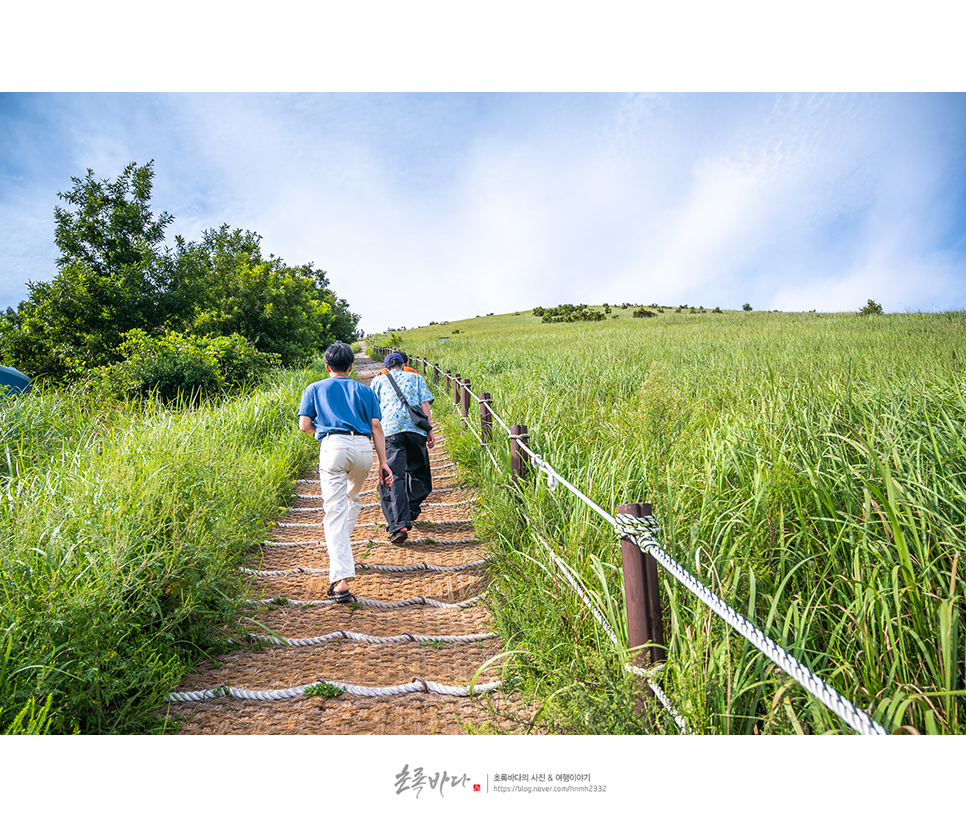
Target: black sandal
[(340, 596)]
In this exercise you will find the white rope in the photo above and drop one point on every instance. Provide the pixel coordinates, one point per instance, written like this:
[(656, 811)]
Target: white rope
[(438, 468), (363, 566), (367, 603), (301, 642), (374, 491), (418, 685), (642, 532), (496, 417), (373, 506), (421, 523), (485, 446), (554, 477), (368, 542), (645, 673)]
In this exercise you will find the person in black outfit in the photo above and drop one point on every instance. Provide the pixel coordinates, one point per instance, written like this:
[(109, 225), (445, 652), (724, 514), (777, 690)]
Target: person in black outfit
[(407, 446)]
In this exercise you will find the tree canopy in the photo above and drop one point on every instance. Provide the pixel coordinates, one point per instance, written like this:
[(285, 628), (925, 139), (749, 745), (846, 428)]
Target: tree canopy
[(116, 276)]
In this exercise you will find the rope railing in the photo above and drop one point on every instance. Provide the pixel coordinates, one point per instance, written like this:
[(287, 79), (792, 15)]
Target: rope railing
[(645, 673), (642, 532)]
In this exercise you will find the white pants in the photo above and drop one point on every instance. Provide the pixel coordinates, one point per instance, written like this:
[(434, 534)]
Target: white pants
[(344, 464)]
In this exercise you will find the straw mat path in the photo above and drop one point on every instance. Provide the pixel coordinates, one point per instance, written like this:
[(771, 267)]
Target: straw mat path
[(443, 536)]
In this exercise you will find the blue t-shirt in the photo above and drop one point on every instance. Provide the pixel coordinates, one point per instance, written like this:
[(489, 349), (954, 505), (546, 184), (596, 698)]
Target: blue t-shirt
[(340, 404)]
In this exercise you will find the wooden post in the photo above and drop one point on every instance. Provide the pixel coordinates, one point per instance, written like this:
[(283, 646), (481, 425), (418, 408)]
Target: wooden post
[(642, 597), (519, 459), (456, 389), (466, 399), (424, 366), (486, 417), (435, 373)]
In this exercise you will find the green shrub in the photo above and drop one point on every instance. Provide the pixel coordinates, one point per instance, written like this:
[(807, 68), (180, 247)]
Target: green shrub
[(567, 313), (178, 366)]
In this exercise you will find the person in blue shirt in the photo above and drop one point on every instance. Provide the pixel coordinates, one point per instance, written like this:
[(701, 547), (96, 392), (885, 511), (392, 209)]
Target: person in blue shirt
[(344, 416), (407, 446)]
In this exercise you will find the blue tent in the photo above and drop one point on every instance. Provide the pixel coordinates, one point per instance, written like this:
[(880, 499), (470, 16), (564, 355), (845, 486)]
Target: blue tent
[(12, 382)]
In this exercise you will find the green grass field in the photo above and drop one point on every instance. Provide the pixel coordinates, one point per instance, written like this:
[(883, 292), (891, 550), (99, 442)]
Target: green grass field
[(121, 528), (809, 468)]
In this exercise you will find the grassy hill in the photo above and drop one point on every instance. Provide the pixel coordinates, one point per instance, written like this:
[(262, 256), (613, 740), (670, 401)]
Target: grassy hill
[(809, 468)]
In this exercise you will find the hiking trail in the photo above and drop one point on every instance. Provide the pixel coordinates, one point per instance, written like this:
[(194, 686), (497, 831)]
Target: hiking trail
[(431, 607)]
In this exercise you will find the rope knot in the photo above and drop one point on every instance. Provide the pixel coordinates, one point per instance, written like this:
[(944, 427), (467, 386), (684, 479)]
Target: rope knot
[(629, 526)]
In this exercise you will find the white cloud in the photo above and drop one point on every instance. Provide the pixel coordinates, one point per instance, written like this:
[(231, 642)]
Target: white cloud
[(441, 207)]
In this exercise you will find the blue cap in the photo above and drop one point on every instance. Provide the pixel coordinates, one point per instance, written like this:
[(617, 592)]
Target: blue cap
[(394, 359)]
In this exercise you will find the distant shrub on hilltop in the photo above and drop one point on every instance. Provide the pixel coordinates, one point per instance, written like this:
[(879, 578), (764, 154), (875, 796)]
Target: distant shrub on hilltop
[(567, 313)]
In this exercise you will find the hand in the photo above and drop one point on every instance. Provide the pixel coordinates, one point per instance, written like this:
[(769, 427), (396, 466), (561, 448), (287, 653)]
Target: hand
[(430, 440), (385, 475)]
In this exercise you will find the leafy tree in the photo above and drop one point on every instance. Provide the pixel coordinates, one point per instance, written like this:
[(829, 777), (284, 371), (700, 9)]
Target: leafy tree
[(71, 323), (871, 308), (114, 278), (746, 307), (226, 286), (112, 226)]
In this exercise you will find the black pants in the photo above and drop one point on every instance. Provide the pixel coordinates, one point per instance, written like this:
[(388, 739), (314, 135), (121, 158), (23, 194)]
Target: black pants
[(408, 458)]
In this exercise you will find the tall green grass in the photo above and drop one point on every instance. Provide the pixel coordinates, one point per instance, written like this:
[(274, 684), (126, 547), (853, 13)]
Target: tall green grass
[(810, 469), (121, 526)]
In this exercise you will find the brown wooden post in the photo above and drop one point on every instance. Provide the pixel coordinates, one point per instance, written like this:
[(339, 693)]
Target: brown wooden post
[(466, 400), (424, 366), (519, 459), (457, 381), (486, 417), (435, 373), (642, 597)]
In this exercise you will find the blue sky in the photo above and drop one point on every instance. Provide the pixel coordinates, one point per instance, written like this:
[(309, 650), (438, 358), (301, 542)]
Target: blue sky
[(443, 206)]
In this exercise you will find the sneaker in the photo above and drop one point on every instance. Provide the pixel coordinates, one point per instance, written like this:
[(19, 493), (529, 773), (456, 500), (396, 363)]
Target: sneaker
[(399, 536)]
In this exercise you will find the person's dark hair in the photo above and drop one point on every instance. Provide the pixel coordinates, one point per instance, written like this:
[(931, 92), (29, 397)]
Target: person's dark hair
[(339, 357)]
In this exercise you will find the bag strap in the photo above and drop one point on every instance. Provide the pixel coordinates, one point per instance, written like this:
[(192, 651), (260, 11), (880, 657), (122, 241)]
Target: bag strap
[(405, 402)]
